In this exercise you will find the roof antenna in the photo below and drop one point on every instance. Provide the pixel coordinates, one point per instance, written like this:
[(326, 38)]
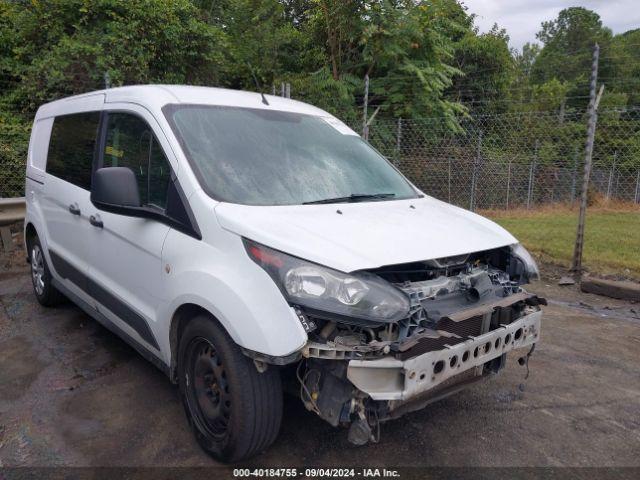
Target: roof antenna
[(255, 79)]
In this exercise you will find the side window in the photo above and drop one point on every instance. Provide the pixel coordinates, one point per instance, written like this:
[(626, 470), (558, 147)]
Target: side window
[(131, 143), (72, 146)]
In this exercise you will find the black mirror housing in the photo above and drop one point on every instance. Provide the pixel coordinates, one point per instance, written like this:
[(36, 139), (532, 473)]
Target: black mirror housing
[(115, 187), (115, 190)]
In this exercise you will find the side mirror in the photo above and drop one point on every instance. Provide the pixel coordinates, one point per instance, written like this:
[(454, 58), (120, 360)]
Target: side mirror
[(115, 188)]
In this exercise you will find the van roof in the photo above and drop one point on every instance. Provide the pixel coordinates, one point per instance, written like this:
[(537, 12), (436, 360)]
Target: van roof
[(154, 97)]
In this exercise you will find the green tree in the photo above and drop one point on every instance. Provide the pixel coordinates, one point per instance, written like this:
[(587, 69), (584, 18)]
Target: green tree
[(624, 56), (408, 54), (567, 49), (520, 92), (488, 69), (567, 45), (64, 47), (54, 48), (261, 39)]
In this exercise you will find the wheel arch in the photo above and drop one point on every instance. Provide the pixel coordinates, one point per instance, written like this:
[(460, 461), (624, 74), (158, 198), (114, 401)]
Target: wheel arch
[(181, 317), (30, 233)]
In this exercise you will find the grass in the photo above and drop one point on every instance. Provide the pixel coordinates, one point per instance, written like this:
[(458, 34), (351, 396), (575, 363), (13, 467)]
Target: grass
[(612, 236)]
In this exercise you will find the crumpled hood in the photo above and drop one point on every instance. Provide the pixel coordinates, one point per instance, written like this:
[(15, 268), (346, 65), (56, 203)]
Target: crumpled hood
[(356, 236)]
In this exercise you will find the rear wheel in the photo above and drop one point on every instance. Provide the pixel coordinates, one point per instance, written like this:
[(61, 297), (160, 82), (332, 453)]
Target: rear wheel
[(234, 410), (44, 290)]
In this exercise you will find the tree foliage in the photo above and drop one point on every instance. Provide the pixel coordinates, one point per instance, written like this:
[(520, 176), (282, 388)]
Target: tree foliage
[(424, 58), (488, 68), (64, 47)]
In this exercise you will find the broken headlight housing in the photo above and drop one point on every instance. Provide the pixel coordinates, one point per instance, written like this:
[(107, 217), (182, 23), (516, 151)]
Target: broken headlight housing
[(528, 266), (361, 295)]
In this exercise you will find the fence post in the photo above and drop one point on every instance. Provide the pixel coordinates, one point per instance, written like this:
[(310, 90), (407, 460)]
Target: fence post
[(611, 174), (287, 90), (615, 190), (508, 183), (637, 197), (576, 264), (575, 174), (474, 174), (365, 127), (531, 180), (562, 109), (282, 93), (398, 139), (449, 180)]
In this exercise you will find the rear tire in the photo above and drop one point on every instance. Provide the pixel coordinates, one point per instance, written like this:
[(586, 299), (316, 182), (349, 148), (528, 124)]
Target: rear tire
[(45, 292), (235, 411)]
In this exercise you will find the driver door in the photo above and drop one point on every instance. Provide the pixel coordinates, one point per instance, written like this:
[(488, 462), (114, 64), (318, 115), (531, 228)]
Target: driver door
[(125, 250)]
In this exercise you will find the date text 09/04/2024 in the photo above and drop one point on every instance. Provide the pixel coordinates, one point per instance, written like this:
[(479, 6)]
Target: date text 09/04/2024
[(316, 473)]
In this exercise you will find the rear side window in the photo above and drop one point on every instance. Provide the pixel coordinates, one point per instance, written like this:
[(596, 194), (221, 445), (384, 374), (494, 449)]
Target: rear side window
[(131, 143), (72, 146)]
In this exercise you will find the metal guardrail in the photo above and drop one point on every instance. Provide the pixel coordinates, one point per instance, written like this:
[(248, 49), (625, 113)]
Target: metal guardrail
[(12, 210)]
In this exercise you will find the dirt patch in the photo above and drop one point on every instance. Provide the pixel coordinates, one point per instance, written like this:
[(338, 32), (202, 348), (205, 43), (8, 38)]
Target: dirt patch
[(20, 367), (14, 262)]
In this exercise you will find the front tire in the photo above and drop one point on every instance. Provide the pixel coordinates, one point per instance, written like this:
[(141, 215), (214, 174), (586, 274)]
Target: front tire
[(46, 294), (234, 411)]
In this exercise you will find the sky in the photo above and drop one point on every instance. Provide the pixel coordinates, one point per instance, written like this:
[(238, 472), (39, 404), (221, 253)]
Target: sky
[(522, 18)]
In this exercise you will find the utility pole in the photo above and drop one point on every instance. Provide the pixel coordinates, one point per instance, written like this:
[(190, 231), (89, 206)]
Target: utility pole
[(365, 125), (576, 264)]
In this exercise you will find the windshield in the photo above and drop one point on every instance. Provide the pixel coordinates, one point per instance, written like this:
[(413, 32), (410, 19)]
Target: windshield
[(262, 157)]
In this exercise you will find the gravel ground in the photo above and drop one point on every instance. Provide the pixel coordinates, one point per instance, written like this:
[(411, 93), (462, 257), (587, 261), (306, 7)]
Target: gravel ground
[(73, 394)]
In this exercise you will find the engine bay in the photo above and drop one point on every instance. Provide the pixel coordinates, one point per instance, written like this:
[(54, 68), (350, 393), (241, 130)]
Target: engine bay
[(448, 300)]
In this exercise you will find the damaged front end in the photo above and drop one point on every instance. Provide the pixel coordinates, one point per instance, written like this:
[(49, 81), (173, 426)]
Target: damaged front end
[(391, 340)]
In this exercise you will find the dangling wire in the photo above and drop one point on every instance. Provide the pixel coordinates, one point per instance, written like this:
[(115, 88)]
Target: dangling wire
[(303, 387), (375, 438), (526, 360)]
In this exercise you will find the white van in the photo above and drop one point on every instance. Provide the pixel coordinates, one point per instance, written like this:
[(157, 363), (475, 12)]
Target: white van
[(248, 245)]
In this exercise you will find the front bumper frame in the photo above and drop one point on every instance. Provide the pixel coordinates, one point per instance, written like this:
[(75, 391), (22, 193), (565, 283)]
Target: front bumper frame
[(388, 378)]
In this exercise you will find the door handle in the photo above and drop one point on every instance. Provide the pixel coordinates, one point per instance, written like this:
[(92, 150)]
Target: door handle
[(74, 209), (95, 221)]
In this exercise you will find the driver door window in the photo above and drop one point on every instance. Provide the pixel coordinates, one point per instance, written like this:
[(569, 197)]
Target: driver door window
[(130, 142)]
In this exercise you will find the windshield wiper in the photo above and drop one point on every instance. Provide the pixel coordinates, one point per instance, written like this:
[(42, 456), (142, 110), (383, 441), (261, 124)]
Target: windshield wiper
[(354, 197)]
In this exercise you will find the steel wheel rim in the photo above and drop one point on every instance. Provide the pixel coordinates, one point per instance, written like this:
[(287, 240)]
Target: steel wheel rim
[(37, 269), (209, 389)]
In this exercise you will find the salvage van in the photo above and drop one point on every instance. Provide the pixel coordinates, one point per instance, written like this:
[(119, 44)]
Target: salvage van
[(249, 245)]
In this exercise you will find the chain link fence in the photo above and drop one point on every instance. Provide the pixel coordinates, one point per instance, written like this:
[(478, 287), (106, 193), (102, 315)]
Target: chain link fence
[(15, 129), (483, 162), (515, 160)]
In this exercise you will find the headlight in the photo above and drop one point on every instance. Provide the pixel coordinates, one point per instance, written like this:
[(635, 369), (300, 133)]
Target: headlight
[(528, 264), (360, 295)]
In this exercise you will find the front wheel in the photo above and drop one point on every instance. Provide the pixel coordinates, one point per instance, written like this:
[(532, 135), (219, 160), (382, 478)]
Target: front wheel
[(234, 410)]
